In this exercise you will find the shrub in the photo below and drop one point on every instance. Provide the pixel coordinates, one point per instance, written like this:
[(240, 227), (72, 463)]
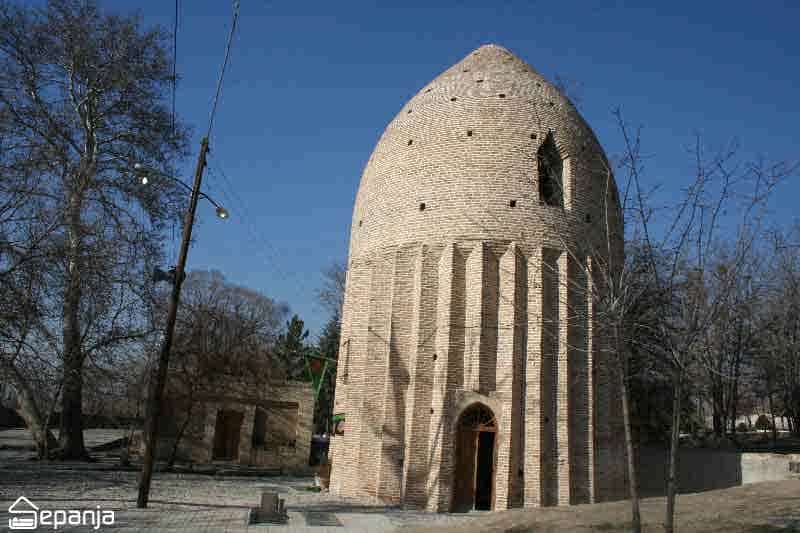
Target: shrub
[(763, 423)]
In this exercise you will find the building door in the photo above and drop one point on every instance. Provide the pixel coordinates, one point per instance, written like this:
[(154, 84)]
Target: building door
[(226, 435), (473, 477)]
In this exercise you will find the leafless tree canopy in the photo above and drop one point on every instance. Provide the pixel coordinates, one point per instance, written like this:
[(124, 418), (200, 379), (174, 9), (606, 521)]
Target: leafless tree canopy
[(227, 329), (81, 101), (331, 295)]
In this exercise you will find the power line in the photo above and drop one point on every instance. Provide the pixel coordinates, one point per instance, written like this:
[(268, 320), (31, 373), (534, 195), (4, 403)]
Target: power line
[(173, 249), (174, 63), (224, 65), (227, 190)]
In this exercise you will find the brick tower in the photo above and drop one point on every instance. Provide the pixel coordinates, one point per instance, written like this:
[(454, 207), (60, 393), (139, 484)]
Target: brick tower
[(472, 369)]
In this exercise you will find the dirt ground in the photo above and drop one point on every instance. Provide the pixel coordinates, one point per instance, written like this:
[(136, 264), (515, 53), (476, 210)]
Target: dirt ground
[(756, 508)]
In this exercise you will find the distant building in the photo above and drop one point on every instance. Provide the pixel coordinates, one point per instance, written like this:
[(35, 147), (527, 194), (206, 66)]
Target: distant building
[(240, 421), (470, 370)]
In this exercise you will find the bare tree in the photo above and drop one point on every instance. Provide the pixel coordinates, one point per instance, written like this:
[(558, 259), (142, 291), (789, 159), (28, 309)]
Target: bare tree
[(24, 230), (726, 198), (621, 296), (779, 363), (331, 295), (222, 329), (727, 346), (84, 96)]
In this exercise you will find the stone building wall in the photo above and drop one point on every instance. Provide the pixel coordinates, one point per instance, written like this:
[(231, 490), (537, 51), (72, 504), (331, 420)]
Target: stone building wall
[(464, 287), (288, 408)]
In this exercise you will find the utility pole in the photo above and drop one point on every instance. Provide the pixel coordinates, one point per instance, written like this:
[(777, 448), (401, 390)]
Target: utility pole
[(156, 389)]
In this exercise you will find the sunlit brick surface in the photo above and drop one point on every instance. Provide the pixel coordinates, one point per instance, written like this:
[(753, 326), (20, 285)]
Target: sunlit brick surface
[(464, 288)]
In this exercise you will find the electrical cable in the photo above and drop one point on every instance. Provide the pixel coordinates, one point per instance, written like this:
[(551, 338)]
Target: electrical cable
[(224, 66), (228, 191)]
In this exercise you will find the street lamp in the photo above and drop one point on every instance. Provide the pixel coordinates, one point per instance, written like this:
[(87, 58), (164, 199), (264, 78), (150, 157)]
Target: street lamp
[(157, 385), (145, 172)]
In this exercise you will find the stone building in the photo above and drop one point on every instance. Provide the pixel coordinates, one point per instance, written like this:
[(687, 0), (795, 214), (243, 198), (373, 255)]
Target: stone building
[(471, 370), (235, 420)]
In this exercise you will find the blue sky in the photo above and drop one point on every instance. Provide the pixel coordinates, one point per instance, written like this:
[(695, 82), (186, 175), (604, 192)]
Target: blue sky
[(311, 85)]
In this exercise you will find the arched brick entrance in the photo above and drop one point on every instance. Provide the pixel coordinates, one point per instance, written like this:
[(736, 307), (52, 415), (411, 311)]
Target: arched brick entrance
[(476, 444)]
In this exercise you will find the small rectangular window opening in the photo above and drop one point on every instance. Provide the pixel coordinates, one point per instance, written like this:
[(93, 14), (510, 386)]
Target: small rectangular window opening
[(551, 173)]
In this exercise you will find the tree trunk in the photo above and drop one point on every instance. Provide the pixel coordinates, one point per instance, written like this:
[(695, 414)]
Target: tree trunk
[(718, 405), (672, 480), (173, 454), (633, 479), (29, 411), (71, 429), (51, 445), (772, 416), (734, 400)]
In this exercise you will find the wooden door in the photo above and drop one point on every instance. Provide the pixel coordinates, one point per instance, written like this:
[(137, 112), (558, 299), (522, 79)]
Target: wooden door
[(473, 473), (226, 434), (464, 474)]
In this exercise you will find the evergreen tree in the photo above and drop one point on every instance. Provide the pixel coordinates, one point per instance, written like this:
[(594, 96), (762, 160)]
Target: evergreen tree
[(292, 348), (327, 347)]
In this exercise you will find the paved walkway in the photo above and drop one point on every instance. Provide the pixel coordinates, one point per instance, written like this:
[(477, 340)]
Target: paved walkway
[(191, 502)]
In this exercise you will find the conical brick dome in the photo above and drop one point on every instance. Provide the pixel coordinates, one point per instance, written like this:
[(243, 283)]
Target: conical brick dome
[(465, 146), (471, 370)]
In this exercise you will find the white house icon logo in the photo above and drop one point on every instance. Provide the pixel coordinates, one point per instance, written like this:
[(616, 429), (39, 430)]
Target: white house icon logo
[(24, 515)]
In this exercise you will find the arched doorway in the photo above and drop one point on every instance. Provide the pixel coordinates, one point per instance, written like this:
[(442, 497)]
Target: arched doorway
[(473, 476)]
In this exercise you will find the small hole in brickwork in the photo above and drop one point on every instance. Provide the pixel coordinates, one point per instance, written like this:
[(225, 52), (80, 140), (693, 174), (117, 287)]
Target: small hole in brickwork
[(588, 217), (512, 203), (466, 70), (478, 81), (360, 223), (533, 135), (410, 141), (501, 95), (431, 410), (551, 104), (546, 419), (429, 89), (538, 84), (453, 99), (409, 111), (422, 206), (469, 133), (435, 357)]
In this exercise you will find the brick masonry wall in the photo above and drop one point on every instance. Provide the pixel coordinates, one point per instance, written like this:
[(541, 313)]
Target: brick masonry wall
[(463, 287), (275, 398)]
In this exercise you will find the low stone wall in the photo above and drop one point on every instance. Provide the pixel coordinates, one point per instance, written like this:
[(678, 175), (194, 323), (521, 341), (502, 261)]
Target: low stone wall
[(702, 469), (767, 466)]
